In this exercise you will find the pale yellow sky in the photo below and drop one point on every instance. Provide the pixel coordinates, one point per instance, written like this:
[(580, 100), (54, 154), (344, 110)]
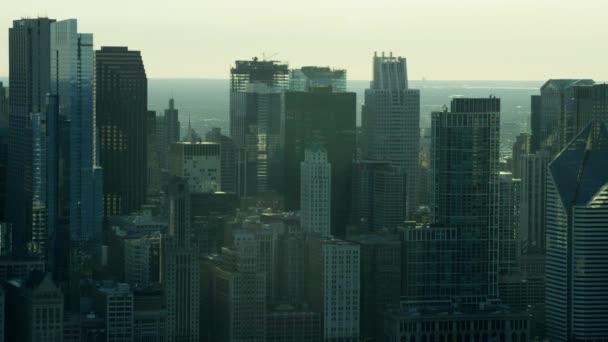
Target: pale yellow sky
[(442, 39)]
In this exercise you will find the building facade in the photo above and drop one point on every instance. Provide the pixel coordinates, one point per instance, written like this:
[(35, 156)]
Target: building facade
[(199, 163), (315, 192), (29, 79), (577, 230), (121, 100), (390, 120), (323, 117)]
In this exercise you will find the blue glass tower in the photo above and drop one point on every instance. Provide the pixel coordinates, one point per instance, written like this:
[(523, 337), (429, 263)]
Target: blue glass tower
[(79, 190)]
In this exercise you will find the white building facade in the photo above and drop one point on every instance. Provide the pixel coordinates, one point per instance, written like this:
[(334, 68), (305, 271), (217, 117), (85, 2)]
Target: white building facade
[(315, 194)]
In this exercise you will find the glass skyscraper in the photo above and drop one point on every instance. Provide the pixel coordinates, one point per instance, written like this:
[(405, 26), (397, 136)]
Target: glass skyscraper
[(577, 236), (256, 110), (72, 83)]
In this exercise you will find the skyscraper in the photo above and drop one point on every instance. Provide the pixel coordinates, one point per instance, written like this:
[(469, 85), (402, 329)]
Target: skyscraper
[(323, 117), (521, 146), (181, 267), (334, 287), (532, 215), (549, 116), (316, 192), (577, 234), (378, 195), (198, 163), (256, 109), (3, 148), (29, 79), (391, 121), (509, 189), (121, 90), (465, 147), (170, 132), (72, 84), (227, 159)]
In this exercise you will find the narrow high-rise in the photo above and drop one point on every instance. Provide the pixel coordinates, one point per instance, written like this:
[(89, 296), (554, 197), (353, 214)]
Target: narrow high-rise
[(316, 192), (256, 110), (577, 236), (391, 121), (72, 84), (121, 100), (29, 79)]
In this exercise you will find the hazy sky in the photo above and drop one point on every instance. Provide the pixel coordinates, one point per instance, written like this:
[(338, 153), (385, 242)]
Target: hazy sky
[(442, 39)]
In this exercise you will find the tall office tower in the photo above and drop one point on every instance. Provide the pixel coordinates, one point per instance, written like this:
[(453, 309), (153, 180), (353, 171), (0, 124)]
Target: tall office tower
[(391, 121), (154, 167), (29, 79), (577, 234), (533, 189), (583, 103), (326, 118), (170, 130), (554, 125), (509, 197), (380, 279), (256, 111), (305, 78), (465, 158), (316, 192), (121, 100), (521, 147), (198, 163), (236, 300), (114, 302), (41, 197), (172, 124), (535, 120), (72, 84), (227, 159), (34, 309), (3, 148), (333, 281), (180, 273), (378, 195)]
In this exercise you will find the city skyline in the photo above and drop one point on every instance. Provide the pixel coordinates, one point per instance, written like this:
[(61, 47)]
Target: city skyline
[(484, 41)]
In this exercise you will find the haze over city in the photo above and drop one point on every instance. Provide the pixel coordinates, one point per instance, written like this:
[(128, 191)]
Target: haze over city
[(443, 39)]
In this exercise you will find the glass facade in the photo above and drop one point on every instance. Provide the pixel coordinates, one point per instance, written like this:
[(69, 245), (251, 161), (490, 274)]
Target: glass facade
[(72, 82)]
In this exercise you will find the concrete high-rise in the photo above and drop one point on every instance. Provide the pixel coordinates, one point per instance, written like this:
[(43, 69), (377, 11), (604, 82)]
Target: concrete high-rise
[(532, 214), (323, 117), (180, 273), (334, 287), (509, 189), (577, 235), (391, 121), (315, 192), (170, 133), (227, 159), (256, 110), (121, 100), (198, 163), (29, 79), (114, 302)]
